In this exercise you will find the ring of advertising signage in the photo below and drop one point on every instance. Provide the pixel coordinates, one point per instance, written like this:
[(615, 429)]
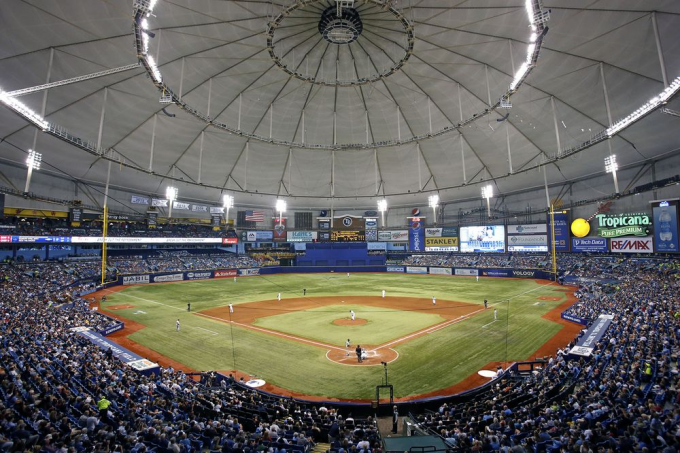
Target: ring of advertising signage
[(441, 244), (612, 226), (348, 236), (484, 239)]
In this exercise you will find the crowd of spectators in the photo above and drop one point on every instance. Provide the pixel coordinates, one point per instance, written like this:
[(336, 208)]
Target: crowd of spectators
[(623, 398), (482, 260), (61, 227), (60, 393)]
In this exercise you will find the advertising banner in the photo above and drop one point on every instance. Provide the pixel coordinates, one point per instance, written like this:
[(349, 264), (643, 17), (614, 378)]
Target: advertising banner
[(167, 278), (536, 228), (441, 271), (226, 273), (348, 222), (348, 236), (497, 272), (441, 244), (216, 220), (324, 236), (199, 208), (400, 269), (528, 243), (301, 236), (523, 273), (324, 224), (416, 270), (139, 240), (371, 223), (561, 231), (376, 246), (666, 226), (587, 245), (152, 219), (466, 272), (393, 236), (486, 239), (76, 215), (611, 226), (137, 362), (575, 319), (135, 279), (229, 241), (433, 232), (280, 231), (256, 236), (138, 199), (632, 245), (586, 344), (216, 210), (371, 235), (202, 275), (246, 272), (416, 236), (112, 329), (159, 202), (181, 206)]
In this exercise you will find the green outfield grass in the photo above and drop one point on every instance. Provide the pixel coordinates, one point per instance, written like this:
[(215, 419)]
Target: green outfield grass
[(427, 363), (317, 324)]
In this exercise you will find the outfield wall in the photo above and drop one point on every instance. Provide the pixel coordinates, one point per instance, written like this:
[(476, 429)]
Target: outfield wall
[(164, 277)]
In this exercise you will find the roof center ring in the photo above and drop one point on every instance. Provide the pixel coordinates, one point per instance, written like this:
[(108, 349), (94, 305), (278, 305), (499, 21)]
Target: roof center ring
[(370, 48)]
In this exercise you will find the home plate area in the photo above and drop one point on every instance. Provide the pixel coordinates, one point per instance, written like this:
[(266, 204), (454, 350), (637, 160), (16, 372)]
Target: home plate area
[(372, 357)]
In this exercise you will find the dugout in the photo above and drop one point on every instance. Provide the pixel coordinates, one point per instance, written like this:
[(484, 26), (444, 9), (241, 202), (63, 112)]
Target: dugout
[(414, 444)]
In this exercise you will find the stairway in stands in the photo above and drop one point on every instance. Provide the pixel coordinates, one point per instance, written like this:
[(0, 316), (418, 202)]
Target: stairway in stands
[(321, 448)]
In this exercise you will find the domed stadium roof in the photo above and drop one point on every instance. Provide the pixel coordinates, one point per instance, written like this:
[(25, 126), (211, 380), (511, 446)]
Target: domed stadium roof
[(348, 100)]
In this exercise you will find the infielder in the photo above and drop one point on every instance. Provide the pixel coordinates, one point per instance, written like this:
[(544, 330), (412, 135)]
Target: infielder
[(278, 297), (231, 308), (351, 313), (383, 293), (177, 324), (434, 301)]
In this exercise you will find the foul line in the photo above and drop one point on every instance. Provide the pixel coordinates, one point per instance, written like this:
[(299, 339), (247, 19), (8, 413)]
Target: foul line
[(450, 322), (211, 331), (274, 332), (489, 323)]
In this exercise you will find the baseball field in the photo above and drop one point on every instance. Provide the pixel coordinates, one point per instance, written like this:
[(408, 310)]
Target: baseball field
[(297, 344)]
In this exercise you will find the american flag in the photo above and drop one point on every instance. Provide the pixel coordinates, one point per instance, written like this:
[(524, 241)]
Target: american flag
[(255, 216)]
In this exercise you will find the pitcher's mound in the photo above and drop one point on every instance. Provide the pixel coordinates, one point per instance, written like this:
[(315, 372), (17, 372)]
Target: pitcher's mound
[(349, 322)]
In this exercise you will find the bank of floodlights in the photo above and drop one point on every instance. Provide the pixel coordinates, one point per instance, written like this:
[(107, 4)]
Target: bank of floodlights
[(171, 196), (281, 208), (487, 193), (33, 162), (434, 202), (611, 166)]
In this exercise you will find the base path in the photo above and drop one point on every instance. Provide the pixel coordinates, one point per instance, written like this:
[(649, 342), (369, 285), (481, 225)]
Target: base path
[(246, 314)]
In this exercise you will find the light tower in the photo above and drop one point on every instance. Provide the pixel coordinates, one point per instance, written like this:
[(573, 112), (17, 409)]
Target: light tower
[(33, 161), (171, 195), (382, 207), (281, 208), (487, 192), (611, 166), (227, 202), (434, 202)]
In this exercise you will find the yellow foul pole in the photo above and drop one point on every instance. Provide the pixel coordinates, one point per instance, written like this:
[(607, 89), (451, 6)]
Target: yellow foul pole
[(104, 232)]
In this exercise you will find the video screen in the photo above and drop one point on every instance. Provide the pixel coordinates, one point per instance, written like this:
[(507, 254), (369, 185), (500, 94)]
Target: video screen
[(485, 239)]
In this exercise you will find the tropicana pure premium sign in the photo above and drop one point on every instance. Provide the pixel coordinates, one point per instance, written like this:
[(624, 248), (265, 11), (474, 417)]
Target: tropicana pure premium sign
[(611, 226)]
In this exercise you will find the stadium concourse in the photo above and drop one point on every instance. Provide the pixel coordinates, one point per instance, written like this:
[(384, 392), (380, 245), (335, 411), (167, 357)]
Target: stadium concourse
[(624, 398)]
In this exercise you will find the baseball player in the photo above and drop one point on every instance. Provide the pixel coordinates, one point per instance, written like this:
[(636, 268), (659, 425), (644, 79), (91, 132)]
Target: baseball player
[(383, 293), (278, 297), (177, 324), (434, 301), (351, 313), (495, 314)]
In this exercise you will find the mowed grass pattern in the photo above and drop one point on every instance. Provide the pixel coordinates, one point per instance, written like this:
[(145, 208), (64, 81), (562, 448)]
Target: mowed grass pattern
[(317, 324), (427, 363)]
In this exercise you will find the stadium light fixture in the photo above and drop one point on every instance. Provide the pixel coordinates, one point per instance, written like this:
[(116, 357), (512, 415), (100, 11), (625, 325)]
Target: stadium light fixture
[(227, 202), (434, 202), (171, 195), (23, 110), (281, 208), (611, 166), (33, 162), (487, 192), (382, 207)]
